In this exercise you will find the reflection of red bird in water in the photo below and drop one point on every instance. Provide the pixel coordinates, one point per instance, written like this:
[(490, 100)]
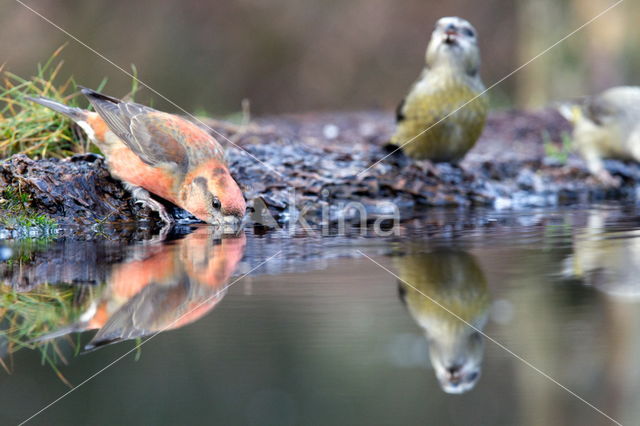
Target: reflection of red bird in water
[(174, 285), (152, 151)]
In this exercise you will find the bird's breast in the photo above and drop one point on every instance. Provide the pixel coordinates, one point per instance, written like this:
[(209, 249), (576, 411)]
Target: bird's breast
[(444, 117), (128, 167)]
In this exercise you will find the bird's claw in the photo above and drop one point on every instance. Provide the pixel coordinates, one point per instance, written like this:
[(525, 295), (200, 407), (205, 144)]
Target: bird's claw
[(144, 199), (608, 180)]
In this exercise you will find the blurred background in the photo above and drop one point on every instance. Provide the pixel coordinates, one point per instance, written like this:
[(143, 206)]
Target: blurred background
[(289, 56)]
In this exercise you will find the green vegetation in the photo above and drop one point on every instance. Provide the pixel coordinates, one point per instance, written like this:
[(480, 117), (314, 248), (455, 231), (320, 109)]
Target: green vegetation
[(16, 213), (31, 129), (25, 251), (29, 316), (558, 153)]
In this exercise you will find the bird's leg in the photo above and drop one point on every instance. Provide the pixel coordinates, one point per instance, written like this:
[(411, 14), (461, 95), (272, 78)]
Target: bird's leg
[(143, 197), (162, 234), (395, 155), (607, 179), (456, 165), (459, 169), (593, 158)]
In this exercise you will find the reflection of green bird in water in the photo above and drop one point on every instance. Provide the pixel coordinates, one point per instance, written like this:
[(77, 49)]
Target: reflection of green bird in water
[(450, 80), (606, 257), (455, 281)]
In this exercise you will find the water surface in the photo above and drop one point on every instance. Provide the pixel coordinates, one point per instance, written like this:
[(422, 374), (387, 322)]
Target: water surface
[(274, 327)]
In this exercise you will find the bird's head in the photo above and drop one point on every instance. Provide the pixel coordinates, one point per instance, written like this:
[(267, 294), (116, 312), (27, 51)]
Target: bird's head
[(211, 194), (571, 112), (457, 361), (454, 44)]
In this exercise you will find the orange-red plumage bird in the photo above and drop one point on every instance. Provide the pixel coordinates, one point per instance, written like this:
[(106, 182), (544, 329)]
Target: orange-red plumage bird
[(161, 153)]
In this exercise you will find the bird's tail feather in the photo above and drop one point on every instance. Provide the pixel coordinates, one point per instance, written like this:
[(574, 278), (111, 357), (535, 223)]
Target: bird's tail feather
[(71, 112), (92, 94), (63, 331)]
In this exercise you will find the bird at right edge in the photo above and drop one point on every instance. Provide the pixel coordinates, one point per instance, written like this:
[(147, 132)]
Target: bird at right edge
[(445, 111)]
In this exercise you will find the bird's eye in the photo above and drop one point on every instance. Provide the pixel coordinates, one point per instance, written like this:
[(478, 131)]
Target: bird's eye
[(215, 202), (468, 32)]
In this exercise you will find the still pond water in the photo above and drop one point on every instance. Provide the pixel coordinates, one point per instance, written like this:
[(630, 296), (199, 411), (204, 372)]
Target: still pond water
[(453, 320)]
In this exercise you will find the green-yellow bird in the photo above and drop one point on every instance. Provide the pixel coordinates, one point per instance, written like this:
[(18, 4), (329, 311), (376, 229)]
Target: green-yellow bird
[(444, 113), (445, 291), (607, 126)]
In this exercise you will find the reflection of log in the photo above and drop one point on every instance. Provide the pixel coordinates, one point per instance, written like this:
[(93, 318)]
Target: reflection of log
[(65, 261)]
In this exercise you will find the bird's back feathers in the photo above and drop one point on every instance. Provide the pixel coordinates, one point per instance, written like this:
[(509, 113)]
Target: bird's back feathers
[(617, 101), (158, 138)]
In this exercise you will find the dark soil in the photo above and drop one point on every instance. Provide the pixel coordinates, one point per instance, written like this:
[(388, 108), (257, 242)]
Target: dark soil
[(323, 156), (312, 164)]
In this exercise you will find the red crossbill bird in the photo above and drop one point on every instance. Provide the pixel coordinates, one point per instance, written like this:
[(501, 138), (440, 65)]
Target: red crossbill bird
[(160, 153)]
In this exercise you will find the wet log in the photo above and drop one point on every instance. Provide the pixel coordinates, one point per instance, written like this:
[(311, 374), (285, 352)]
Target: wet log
[(316, 164)]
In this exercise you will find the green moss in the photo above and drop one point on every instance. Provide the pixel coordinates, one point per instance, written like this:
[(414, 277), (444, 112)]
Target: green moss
[(16, 213), (558, 153)]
